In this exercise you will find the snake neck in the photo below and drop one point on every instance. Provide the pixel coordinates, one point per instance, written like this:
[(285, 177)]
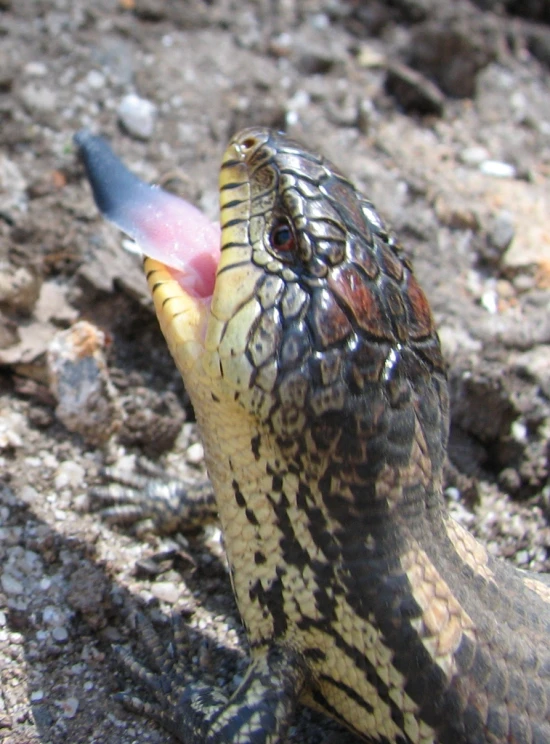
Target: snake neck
[(374, 468), (333, 497)]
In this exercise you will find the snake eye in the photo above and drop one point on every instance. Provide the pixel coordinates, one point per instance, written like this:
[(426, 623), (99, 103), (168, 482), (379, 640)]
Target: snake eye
[(282, 238)]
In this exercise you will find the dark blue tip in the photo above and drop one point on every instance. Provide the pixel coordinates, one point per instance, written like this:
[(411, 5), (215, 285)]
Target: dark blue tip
[(113, 185)]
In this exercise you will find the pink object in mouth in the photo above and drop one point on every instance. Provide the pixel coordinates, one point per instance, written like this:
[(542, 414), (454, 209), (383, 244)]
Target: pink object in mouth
[(178, 235), (166, 228)]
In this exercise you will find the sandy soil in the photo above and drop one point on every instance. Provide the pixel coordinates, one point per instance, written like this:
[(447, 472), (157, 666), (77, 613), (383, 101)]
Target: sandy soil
[(438, 109)]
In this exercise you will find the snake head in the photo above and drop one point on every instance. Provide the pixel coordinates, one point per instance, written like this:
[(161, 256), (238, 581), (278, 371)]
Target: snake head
[(333, 317)]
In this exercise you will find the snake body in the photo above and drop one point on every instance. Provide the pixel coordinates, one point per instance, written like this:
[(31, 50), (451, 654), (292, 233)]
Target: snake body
[(320, 393)]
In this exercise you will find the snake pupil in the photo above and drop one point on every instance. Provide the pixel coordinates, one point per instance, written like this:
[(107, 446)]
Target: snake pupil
[(282, 238)]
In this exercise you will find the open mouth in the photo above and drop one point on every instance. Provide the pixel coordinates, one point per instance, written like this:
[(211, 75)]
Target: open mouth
[(165, 227)]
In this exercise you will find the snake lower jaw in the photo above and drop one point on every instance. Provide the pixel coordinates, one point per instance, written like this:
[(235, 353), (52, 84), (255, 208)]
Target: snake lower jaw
[(184, 326), (207, 333)]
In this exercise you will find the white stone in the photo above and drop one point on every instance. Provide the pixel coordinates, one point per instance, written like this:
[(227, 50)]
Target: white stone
[(60, 634), (137, 115), (498, 169), (69, 473), (166, 591), (10, 584), (69, 707), (195, 453), (474, 155), (95, 79)]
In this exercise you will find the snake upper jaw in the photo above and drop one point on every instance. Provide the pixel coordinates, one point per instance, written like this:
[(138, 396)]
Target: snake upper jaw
[(183, 316)]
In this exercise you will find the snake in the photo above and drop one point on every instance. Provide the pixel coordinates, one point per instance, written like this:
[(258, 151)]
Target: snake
[(311, 357)]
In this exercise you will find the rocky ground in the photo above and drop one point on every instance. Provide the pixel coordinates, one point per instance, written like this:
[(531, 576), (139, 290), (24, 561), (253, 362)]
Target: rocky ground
[(438, 109)]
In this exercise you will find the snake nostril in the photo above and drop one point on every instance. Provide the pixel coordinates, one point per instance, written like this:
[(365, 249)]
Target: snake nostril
[(249, 143)]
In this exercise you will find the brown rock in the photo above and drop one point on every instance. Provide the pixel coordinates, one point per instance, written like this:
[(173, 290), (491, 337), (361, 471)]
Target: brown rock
[(413, 91), (450, 56), (80, 381)]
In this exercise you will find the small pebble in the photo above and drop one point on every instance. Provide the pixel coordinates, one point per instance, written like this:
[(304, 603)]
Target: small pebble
[(452, 493), (10, 439), (35, 69), (52, 616), (489, 300), (137, 115), (519, 431), (292, 118), (31, 561), (522, 557), (49, 460), (60, 634), (166, 591), (369, 57), (10, 584), (69, 473), (474, 155), (299, 100), (96, 80), (39, 99), (12, 429), (19, 288), (523, 282), (69, 707), (535, 364), (497, 169), (502, 231), (195, 454)]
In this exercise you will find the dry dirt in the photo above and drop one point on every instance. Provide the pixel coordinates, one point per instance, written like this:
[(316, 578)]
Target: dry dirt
[(438, 109)]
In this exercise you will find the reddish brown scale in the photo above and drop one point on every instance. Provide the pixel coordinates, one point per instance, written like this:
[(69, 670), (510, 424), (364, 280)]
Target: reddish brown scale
[(359, 253), (346, 203), (350, 287), (331, 324), (421, 323), (391, 264), (397, 310)]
